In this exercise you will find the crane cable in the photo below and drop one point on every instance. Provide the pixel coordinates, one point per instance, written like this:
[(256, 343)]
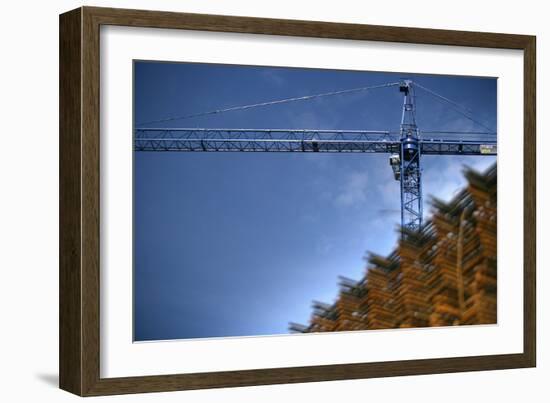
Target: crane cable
[(457, 107), (275, 102)]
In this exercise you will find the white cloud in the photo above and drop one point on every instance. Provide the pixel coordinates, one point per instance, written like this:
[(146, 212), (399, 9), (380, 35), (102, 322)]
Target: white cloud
[(354, 190), (390, 191), (445, 179)]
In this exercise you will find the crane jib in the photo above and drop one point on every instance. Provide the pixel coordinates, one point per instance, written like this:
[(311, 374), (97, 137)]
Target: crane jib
[(428, 147)]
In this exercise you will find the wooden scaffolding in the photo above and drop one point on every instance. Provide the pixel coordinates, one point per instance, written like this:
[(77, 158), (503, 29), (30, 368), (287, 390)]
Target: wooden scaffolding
[(444, 275)]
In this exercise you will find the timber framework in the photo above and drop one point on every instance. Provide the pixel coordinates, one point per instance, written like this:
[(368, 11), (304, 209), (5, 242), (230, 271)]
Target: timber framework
[(442, 275)]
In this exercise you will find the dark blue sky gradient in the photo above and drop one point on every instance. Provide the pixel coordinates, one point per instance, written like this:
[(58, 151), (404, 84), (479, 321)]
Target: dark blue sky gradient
[(239, 244)]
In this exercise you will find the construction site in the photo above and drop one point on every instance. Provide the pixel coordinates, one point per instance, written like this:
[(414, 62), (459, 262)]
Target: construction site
[(443, 270), (445, 274)]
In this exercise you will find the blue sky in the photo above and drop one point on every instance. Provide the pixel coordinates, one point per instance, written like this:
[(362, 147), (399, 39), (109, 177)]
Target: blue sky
[(239, 244)]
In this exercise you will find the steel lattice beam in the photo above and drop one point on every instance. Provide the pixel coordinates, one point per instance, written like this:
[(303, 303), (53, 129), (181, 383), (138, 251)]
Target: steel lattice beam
[(251, 140)]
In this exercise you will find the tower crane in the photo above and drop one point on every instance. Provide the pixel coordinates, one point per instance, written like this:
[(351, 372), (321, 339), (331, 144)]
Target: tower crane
[(405, 147)]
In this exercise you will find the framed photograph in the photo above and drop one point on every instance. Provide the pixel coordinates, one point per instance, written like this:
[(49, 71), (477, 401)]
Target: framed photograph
[(249, 201)]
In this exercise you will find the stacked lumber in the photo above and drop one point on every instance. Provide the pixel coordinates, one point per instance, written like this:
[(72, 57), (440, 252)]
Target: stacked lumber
[(380, 305), (443, 275)]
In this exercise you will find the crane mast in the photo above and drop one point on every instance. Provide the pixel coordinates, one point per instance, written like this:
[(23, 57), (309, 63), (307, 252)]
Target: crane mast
[(410, 172), (405, 147)]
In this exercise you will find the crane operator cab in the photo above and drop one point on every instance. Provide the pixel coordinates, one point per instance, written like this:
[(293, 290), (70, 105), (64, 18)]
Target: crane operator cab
[(395, 162)]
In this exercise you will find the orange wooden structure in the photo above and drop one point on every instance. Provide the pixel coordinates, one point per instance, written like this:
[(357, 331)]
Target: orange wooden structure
[(444, 275)]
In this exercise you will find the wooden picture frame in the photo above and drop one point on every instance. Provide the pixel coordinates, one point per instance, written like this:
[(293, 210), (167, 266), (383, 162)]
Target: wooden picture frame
[(79, 279)]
